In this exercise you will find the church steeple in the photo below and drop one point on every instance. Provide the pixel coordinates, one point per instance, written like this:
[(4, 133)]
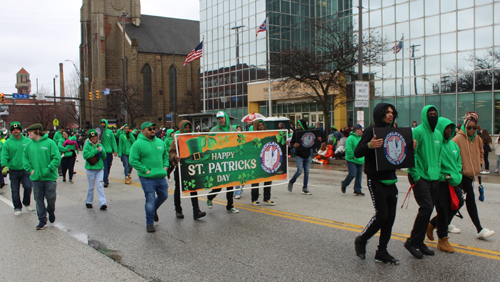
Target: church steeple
[(23, 82)]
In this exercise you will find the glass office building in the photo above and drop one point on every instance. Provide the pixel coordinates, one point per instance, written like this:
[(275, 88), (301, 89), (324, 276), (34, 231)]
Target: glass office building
[(450, 58)]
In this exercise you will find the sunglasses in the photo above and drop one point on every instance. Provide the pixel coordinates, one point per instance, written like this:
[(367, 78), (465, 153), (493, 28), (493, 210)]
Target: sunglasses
[(471, 127), (151, 129)]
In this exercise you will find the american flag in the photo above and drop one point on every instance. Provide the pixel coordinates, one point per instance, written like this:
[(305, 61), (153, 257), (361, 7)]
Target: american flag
[(262, 27), (195, 54), (397, 47)]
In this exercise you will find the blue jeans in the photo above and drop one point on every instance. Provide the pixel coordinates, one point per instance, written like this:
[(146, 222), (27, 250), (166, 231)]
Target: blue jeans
[(127, 168), (94, 177), (355, 171), (44, 190), (16, 178), (302, 164), (150, 187), (237, 191), (107, 166)]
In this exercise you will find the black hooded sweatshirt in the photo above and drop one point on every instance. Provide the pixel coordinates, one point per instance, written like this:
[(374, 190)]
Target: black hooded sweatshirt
[(301, 152), (362, 150)]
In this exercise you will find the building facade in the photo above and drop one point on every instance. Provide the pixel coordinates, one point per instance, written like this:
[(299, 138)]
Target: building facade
[(23, 82)]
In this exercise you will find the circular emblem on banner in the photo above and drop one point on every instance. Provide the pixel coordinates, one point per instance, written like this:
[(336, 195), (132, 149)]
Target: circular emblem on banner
[(395, 148), (308, 139), (271, 157)]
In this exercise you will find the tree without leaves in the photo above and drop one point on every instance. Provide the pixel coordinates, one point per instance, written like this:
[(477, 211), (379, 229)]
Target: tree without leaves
[(188, 103), (327, 67)]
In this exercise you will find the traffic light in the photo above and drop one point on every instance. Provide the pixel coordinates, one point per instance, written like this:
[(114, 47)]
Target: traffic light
[(90, 96), (97, 94), (2, 97)]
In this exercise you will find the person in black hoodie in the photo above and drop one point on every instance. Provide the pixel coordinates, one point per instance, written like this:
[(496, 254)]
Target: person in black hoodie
[(302, 158), (382, 186)]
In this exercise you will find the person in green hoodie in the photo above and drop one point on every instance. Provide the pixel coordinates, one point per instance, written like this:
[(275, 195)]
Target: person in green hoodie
[(2, 181), (354, 165), (94, 155), (222, 126), (126, 141), (451, 168), (41, 157), (12, 160), (69, 156), (56, 138), (425, 176), (168, 143), (149, 157), (108, 140)]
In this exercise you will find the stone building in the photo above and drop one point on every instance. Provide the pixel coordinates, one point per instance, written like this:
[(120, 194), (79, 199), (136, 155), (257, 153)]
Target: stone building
[(155, 84)]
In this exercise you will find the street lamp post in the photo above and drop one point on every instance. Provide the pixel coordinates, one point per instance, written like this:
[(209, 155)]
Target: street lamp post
[(55, 115), (82, 92)]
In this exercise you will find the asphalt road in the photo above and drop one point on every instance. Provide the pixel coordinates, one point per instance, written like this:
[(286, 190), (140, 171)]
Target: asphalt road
[(302, 238)]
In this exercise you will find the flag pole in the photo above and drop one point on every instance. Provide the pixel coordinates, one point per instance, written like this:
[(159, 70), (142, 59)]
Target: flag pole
[(268, 67), (204, 74), (403, 65)]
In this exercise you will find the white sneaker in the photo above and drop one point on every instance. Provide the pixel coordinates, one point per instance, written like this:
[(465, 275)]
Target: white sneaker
[(237, 197), (496, 170), (17, 212), (453, 229), (485, 233), (485, 172), (169, 180), (28, 208)]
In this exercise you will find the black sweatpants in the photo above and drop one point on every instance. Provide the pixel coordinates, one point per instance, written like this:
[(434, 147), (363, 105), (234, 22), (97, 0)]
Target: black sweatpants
[(425, 193), (385, 200), (177, 195), (443, 207), (486, 160), (267, 191), (68, 163), (229, 196), (470, 201)]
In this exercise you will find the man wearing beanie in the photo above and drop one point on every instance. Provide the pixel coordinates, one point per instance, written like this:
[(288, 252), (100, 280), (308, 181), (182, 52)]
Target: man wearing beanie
[(149, 157), (12, 160), (471, 152), (41, 158)]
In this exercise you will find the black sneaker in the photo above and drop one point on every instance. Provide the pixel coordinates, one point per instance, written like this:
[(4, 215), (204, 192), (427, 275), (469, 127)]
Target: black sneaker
[(156, 218), (41, 225), (360, 247), (150, 228), (52, 217), (89, 206), (359, 194), (198, 214), (385, 257), (425, 250), (412, 249), (104, 207), (64, 179), (179, 214), (106, 185), (342, 188)]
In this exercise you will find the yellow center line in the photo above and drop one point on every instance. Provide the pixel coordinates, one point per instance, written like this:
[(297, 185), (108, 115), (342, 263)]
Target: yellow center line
[(339, 225)]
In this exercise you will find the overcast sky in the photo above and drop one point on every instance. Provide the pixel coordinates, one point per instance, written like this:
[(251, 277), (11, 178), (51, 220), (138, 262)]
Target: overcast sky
[(37, 35)]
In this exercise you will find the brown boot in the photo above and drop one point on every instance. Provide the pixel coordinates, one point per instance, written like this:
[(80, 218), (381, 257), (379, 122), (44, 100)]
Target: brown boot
[(444, 246), (430, 232), (128, 181), (130, 177)]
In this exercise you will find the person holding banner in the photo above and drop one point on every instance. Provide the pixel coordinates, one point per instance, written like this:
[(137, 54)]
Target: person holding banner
[(222, 126), (149, 157), (259, 125), (425, 177), (451, 167), (354, 165), (381, 184), (184, 127)]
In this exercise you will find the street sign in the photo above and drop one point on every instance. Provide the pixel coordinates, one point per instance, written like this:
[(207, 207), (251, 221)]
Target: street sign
[(362, 90), (361, 104), (20, 96), (106, 91), (56, 122), (361, 118)]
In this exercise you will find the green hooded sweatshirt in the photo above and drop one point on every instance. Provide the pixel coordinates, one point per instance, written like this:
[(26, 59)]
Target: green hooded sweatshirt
[(168, 140), (57, 136), (451, 162), (12, 152), (108, 139), (350, 144), (64, 150), (220, 128), (125, 143), (428, 151), (150, 155), (42, 157), (89, 150)]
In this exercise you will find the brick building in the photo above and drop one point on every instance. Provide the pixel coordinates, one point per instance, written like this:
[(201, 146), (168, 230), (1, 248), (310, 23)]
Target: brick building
[(155, 81)]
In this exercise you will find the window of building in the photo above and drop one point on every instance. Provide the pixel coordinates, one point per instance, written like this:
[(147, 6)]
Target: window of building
[(146, 82)]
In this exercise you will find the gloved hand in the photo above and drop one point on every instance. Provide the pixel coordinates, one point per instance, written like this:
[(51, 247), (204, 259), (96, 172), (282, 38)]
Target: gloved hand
[(5, 170)]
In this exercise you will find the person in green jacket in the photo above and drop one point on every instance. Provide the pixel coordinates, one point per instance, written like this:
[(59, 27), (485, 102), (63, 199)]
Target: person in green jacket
[(68, 152), (354, 165), (425, 176), (12, 160), (56, 138), (41, 158), (126, 141), (451, 175), (95, 172), (2, 181), (149, 157), (108, 140), (169, 137)]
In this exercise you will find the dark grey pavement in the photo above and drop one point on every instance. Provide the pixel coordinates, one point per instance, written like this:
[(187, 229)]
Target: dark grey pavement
[(302, 238)]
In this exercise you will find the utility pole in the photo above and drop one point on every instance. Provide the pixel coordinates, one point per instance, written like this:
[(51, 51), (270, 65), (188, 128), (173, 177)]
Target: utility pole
[(82, 92), (412, 47), (55, 116), (124, 60), (360, 40)]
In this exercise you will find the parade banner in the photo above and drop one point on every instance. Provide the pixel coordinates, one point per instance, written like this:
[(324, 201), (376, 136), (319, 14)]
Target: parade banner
[(308, 139), (228, 159), (397, 149)]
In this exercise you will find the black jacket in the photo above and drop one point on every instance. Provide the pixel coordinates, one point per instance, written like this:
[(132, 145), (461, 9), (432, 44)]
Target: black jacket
[(301, 152), (362, 149)]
